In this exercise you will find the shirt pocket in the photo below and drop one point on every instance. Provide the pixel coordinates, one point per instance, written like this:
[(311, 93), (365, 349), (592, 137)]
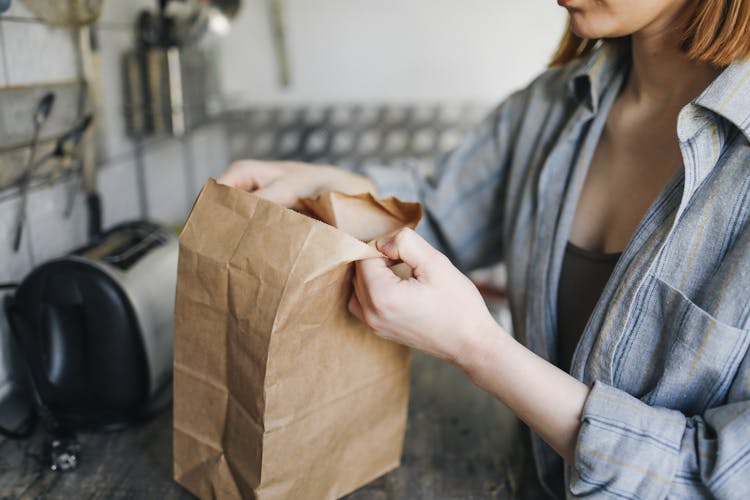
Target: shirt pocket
[(678, 355)]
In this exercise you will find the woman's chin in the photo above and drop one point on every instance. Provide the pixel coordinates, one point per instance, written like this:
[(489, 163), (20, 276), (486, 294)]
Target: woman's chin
[(590, 30)]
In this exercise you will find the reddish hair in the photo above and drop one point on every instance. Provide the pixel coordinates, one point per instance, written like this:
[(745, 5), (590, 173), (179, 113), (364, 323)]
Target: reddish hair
[(715, 32)]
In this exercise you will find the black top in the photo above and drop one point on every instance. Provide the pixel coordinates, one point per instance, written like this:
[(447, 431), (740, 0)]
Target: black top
[(583, 277)]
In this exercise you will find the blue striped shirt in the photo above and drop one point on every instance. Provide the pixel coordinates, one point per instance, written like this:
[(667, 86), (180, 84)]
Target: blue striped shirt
[(666, 348)]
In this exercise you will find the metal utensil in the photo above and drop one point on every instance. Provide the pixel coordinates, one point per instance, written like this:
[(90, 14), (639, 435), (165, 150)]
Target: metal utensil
[(88, 53), (67, 149), (41, 113), (65, 153), (191, 20), (66, 145), (278, 27), (68, 142)]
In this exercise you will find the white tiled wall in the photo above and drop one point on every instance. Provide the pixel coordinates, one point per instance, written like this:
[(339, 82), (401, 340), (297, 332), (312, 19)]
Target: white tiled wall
[(119, 181), (3, 78), (210, 155), (52, 233), (25, 42), (13, 265), (113, 43), (123, 11), (33, 53), (19, 10), (165, 164)]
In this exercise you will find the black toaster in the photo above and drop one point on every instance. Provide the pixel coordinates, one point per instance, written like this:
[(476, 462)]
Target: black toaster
[(94, 329)]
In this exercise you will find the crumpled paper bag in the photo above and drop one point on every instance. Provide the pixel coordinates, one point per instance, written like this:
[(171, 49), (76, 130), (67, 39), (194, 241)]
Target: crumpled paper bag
[(279, 392)]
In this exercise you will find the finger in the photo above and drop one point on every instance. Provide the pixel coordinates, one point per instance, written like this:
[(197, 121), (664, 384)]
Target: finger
[(390, 262), (375, 272), (237, 180), (402, 270), (240, 175), (407, 246), (277, 193), (360, 289), (356, 308), (249, 175)]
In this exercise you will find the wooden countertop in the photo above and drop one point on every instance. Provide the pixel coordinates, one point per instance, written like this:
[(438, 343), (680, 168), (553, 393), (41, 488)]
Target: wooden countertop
[(460, 443)]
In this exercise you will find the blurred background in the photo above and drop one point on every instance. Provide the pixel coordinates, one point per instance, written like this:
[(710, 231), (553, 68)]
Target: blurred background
[(152, 98)]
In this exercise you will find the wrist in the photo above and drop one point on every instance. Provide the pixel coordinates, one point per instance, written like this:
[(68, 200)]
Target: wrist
[(338, 179), (480, 346)]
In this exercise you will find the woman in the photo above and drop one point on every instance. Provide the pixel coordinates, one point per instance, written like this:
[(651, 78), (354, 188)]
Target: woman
[(628, 161)]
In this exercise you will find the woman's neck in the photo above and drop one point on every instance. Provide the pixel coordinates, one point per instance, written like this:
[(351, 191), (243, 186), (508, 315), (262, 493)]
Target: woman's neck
[(661, 73)]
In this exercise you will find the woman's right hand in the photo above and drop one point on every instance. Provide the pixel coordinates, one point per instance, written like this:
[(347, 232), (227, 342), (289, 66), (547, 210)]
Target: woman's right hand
[(285, 182)]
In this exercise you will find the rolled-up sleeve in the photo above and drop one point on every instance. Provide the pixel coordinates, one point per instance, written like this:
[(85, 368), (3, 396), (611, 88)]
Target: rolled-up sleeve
[(462, 194), (628, 449)]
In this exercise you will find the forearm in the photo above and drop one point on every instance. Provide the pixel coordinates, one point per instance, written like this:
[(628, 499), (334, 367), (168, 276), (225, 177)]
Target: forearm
[(337, 179), (546, 398)]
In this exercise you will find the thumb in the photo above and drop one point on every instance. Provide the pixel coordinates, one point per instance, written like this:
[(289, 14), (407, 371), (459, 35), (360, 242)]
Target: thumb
[(407, 246), (238, 179)]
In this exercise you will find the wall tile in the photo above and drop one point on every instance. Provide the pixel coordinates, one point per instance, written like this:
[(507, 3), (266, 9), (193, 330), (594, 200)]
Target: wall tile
[(113, 11), (53, 234), (18, 9), (3, 78), (124, 12), (23, 44), (165, 182), (113, 43), (13, 265), (210, 156), (118, 190)]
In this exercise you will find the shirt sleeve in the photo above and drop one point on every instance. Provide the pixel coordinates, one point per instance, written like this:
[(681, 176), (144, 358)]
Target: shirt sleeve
[(628, 449), (462, 196)]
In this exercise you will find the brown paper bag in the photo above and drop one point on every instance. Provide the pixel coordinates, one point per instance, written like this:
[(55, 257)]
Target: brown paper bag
[(279, 392)]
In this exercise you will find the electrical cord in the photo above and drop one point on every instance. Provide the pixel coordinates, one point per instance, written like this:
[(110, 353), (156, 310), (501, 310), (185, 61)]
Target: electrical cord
[(61, 448)]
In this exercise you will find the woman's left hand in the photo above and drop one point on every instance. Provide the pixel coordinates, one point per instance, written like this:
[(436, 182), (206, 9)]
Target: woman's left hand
[(441, 312), (438, 310)]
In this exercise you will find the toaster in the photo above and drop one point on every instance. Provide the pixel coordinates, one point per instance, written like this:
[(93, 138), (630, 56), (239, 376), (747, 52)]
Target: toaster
[(94, 329)]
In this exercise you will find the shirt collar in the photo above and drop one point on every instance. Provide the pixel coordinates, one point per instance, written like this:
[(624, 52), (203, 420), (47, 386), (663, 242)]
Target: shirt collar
[(729, 95), (589, 77)]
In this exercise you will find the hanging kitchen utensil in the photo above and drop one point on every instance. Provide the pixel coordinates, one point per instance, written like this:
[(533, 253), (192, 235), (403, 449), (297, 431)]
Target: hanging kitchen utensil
[(41, 113), (66, 150), (278, 30), (88, 57), (169, 76), (66, 12), (81, 14), (185, 22)]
